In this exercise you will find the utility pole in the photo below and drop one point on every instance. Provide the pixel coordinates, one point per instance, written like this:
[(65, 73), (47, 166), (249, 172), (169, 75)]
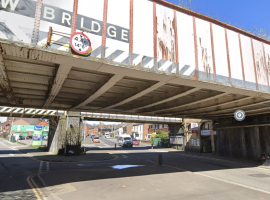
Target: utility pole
[(101, 128), (113, 131), (10, 130)]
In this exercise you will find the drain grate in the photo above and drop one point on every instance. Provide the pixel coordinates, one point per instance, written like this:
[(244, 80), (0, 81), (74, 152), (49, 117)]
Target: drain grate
[(259, 175)]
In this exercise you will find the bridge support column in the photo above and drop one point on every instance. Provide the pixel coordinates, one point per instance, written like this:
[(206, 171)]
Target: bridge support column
[(176, 132), (65, 132), (248, 139)]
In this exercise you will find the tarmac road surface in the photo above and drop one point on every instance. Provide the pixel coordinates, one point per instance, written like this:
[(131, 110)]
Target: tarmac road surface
[(132, 174)]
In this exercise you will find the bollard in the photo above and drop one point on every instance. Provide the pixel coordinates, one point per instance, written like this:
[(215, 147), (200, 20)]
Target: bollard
[(115, 146), (159, 159), (152, 146)]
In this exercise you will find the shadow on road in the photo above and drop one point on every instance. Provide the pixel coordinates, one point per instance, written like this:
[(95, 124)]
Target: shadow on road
[(175, 161)]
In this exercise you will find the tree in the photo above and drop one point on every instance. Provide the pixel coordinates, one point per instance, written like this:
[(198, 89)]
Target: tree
[(164, 136), (184, 4)]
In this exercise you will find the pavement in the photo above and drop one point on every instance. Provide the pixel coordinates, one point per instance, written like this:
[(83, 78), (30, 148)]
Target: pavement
[(133, 174)]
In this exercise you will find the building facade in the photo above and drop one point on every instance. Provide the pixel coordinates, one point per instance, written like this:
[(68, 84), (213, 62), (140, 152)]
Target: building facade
[(140, 131), (25, 126)]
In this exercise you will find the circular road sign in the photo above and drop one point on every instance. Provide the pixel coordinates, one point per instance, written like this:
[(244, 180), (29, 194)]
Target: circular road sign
[(80, 43), (239, 115)]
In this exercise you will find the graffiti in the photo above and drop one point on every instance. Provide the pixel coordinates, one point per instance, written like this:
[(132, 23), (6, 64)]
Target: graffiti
[(165, 34)]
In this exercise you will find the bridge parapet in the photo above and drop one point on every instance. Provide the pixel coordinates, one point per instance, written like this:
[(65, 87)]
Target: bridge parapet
[(166, 38), (43, 113)]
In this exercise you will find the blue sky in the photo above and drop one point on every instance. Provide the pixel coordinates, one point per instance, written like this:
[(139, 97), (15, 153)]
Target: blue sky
[(244, 13)]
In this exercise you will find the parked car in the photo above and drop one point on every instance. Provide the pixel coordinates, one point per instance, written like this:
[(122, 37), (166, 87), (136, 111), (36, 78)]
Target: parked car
[(96, 140), (135, 142), (29, 137), (107, 135), (92, 136), (21, 137), (125, 141)]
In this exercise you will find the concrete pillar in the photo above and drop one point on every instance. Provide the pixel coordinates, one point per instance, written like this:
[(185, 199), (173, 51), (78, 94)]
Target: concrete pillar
[(213, 142), (242, 143), (62, 131), (177, 130), (256, 144)]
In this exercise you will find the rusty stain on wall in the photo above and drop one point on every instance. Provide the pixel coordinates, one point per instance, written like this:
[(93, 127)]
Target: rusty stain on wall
[(205, 58), (165, 34), (260, 68)]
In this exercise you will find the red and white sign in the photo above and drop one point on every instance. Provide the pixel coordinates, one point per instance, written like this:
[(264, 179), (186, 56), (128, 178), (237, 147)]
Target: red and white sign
[(80, 43), (194, 127)]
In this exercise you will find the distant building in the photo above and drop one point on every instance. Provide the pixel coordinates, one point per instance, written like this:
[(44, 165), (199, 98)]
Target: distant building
[(25, 126), (127, 128), (93, 131), (140, 131)]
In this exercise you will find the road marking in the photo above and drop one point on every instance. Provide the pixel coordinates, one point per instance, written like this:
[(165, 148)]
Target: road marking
[(38, 189), (124, 156), (238, 184), (40, 167), (226, 181), (223, 161), (34, 190), (48, 166)]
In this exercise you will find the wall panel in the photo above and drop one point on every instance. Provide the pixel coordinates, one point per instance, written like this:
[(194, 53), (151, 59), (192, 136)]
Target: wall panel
[(91, 17), (58, 15), (185, 44), (267, 59), (118, 25), (235, 58), (143, 44), (204, 49), (248, 62), (260, 66), (222, 72), (17, 20)]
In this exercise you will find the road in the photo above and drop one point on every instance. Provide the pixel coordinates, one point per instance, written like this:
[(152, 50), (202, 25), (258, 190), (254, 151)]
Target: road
[(108, 143), (134, 174)]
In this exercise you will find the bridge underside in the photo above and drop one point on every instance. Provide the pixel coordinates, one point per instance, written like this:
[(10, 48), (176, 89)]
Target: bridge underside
[(41, 78)]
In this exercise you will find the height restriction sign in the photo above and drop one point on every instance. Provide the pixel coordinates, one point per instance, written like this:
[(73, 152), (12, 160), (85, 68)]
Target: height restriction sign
[(80, 44)]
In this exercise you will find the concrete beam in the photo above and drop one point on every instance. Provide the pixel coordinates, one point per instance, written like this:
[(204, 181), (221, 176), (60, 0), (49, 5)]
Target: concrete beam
[(191, 111), (110, 83), (169, 110), (233, 109), (138, 95), (5, 83), (168, 99), (61, 76)]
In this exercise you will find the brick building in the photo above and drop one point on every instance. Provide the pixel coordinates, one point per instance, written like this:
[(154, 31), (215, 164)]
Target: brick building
[(140, 131), (25, 126)]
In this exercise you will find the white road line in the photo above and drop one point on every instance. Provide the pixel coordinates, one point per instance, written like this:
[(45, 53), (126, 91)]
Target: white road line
[(234, 183), (48, 166), (40, 167)]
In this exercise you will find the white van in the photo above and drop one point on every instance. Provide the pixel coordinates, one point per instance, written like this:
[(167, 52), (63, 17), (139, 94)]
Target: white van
[(124, 141), (107, 135)]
